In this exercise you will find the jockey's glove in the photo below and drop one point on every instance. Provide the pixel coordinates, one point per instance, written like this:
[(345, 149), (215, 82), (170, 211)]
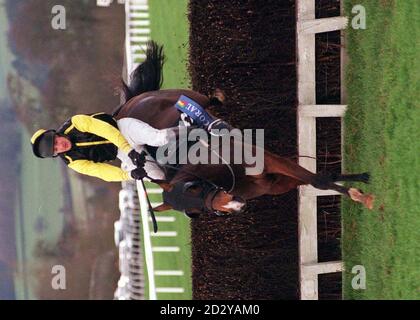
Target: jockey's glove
[(139, 159), (138, 173)]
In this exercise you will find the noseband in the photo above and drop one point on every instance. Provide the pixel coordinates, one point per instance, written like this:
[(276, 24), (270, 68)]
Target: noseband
[(180, 199), (206, 190)]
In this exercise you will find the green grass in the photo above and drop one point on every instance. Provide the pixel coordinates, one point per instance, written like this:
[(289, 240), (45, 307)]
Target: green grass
[(169, 26), (382, 136), (173, 260)]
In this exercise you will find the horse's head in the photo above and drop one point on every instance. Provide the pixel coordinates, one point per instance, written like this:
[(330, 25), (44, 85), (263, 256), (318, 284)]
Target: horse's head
[(195, 197)]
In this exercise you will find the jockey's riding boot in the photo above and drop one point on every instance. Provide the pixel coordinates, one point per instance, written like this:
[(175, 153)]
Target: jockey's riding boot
[(218, 127)]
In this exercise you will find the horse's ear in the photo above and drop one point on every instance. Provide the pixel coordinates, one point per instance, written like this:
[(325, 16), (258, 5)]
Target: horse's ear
[(166, 186), (162, 207)]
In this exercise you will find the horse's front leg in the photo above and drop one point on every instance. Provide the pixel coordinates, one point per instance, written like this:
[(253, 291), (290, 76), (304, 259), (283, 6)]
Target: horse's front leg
[(280, 165), (274, 164), (258, 185)]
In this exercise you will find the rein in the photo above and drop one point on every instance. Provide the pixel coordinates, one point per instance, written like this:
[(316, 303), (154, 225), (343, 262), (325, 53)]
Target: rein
[(217, 212), (151, 212), (215, 190), (201, 178), (216, 187), (226, 163)]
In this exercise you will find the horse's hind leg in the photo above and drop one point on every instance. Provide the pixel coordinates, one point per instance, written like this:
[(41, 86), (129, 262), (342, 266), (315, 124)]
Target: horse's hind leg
[(322, 180), (281, 184), (354, 194), (274, 164), (325, 181), (283, 166)]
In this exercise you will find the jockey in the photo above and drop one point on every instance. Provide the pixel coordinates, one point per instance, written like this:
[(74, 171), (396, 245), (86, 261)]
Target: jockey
[(86, 142)]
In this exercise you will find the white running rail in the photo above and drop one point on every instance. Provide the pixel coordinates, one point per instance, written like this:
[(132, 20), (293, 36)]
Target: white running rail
[(137, 23), (137, 35), (147, 242), (308, 111), (137, 31)]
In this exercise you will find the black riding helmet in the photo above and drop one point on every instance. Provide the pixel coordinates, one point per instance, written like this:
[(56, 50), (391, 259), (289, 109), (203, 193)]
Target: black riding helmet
[(43, 143)]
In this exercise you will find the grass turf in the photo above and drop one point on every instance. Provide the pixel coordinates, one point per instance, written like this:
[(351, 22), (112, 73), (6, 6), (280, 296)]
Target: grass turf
[(382, 136), (172, 260), (169, 26)]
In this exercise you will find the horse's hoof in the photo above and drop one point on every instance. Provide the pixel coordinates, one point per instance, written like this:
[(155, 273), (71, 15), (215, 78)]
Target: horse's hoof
[(358, 196), (355, 195), (368, 201)]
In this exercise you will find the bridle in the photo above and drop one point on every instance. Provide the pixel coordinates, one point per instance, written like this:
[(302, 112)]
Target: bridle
[(161, 165), (208, 193), (225, 162), (211, 186)]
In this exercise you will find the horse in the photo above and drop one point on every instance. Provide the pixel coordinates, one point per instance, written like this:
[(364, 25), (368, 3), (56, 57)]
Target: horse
[(146, 101)]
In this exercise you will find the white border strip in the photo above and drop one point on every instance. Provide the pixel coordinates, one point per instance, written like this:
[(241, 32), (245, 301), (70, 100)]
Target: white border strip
[(147, 243)]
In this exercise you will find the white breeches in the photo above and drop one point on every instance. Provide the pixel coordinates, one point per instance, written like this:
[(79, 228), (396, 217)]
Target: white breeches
[(152, 169)]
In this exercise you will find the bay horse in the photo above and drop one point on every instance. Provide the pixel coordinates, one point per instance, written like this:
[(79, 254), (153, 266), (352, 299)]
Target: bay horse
[(145, 101)]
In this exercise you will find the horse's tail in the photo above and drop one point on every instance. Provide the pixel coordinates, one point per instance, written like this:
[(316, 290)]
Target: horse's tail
[(148, 74)]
